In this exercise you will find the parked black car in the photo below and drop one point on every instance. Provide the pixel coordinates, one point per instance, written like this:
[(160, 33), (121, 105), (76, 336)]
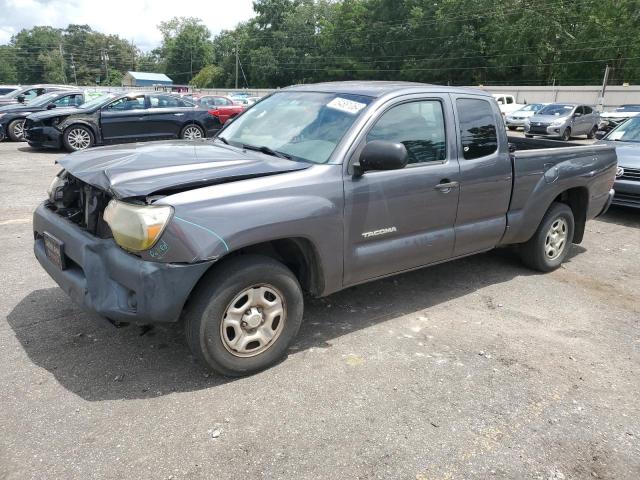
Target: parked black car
[(12, 117), (5, 89), (122, 118), (28, 93), (626, 138)]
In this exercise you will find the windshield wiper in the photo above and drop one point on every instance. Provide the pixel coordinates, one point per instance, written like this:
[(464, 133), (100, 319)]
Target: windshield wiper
[(266, 150), (223, 140)]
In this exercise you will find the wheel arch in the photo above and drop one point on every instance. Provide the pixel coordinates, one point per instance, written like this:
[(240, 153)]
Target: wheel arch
[(577, 198), (296, 253)]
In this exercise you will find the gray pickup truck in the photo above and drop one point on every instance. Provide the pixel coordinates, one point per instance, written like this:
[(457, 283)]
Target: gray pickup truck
[(314, 189)]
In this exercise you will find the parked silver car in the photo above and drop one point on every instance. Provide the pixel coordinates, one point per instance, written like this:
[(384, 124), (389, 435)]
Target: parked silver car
[(563, 120), (516, 119)]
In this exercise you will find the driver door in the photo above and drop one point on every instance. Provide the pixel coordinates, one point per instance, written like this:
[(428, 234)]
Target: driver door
[(124, 119), (402, 219)]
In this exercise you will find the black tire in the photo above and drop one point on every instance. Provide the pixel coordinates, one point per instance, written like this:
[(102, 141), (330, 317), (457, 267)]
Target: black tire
[(512, 128), (14, 125), (528, 136), (191, 127), (592, 133), (534, 252), (71, 133), (212, 298), (566, 134)]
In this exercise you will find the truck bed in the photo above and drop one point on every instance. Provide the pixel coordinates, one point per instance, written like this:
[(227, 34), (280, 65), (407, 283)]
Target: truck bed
[(543, 169)]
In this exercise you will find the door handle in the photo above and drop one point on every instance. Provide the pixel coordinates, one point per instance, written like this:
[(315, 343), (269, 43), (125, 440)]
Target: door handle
[(446, 186)]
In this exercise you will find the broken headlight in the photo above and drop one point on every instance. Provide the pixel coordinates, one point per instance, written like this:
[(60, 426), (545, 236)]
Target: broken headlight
[(136, 227), (54, 192)]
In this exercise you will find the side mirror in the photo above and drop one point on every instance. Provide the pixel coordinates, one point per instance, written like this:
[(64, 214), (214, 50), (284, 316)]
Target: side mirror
[(20, 98), (381, 155), (600, 134), (51, 106), (577, 114)]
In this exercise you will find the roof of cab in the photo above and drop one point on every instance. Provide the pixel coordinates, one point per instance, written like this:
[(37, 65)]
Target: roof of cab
[(378, 88)]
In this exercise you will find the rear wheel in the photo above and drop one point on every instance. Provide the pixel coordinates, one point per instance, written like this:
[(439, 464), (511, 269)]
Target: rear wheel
[(566, 135), (244, 314), (77, 137), (550, 245), (192, 132), (15, 130), (592, 132)]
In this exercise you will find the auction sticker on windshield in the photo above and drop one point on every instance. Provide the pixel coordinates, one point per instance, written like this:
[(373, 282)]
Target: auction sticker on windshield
[(346, 105)]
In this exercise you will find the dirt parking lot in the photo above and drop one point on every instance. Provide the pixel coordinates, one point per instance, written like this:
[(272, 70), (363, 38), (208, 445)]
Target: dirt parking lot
[(476, 369)]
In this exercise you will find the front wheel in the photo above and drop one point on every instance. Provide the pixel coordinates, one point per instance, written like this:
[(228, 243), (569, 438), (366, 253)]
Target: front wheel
[(566, 134), (15, 130), (550, 245), (592, 133), (243, 315), (192, 132), (77, 137)]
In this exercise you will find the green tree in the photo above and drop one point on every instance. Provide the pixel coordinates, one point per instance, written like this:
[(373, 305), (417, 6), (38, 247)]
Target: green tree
[(210, 76), (186, 47), (8, 72)]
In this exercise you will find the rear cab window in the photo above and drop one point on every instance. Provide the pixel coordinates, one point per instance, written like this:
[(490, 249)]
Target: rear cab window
[(478, 131)]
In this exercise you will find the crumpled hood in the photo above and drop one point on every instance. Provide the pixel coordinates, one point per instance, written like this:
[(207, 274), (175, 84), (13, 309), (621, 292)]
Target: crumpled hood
[(133, 170), (56, 112)]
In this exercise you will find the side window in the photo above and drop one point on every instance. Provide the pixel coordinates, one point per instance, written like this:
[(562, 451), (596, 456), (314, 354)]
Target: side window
[(587, 110), (165, 101), (69, 101), (509, 100), (579, 110), (477, 128), (419, 126), (127, 103), (30, 94)]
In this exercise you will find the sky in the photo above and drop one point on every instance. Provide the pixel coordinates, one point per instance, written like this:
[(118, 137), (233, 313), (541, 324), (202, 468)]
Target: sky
[(135, 20)]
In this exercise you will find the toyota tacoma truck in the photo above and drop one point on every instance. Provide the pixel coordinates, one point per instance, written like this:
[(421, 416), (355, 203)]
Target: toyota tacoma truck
[(312, 190)]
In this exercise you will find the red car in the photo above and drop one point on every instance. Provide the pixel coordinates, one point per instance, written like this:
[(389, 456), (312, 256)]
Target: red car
[(221, 107)]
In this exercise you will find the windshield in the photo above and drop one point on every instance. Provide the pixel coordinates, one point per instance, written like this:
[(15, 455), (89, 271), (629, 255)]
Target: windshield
[(42, 99), (557, 109), (628, 108), (303, 125), (629, 131), (96, 102), (532, 107)]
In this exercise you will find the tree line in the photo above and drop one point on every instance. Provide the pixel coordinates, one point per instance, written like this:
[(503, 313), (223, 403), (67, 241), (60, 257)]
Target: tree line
[(457, 42)]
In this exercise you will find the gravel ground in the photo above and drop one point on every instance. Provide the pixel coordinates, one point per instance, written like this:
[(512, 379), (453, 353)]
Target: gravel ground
[(475, 369)]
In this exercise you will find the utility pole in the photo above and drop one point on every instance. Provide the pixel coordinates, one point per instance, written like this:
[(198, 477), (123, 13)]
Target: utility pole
[(605, 80), (104, 55), (73, 68), (237, 62), (191, 68), (64, 74)]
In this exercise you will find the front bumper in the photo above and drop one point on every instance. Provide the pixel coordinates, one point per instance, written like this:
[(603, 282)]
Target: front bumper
[(545, 131), (627, 193), (104, 279), (43, 136), (513, 122)]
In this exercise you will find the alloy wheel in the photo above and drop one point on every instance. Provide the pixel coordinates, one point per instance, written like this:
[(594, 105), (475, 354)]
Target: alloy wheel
[(556, 239), (79, 138), (192, 133)]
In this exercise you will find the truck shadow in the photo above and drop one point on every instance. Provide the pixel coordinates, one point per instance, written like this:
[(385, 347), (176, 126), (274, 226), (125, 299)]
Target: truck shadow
[(623, 216), (96, 361)]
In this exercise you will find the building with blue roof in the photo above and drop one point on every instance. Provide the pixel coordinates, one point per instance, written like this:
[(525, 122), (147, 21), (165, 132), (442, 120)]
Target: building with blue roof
[(145, 79)]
